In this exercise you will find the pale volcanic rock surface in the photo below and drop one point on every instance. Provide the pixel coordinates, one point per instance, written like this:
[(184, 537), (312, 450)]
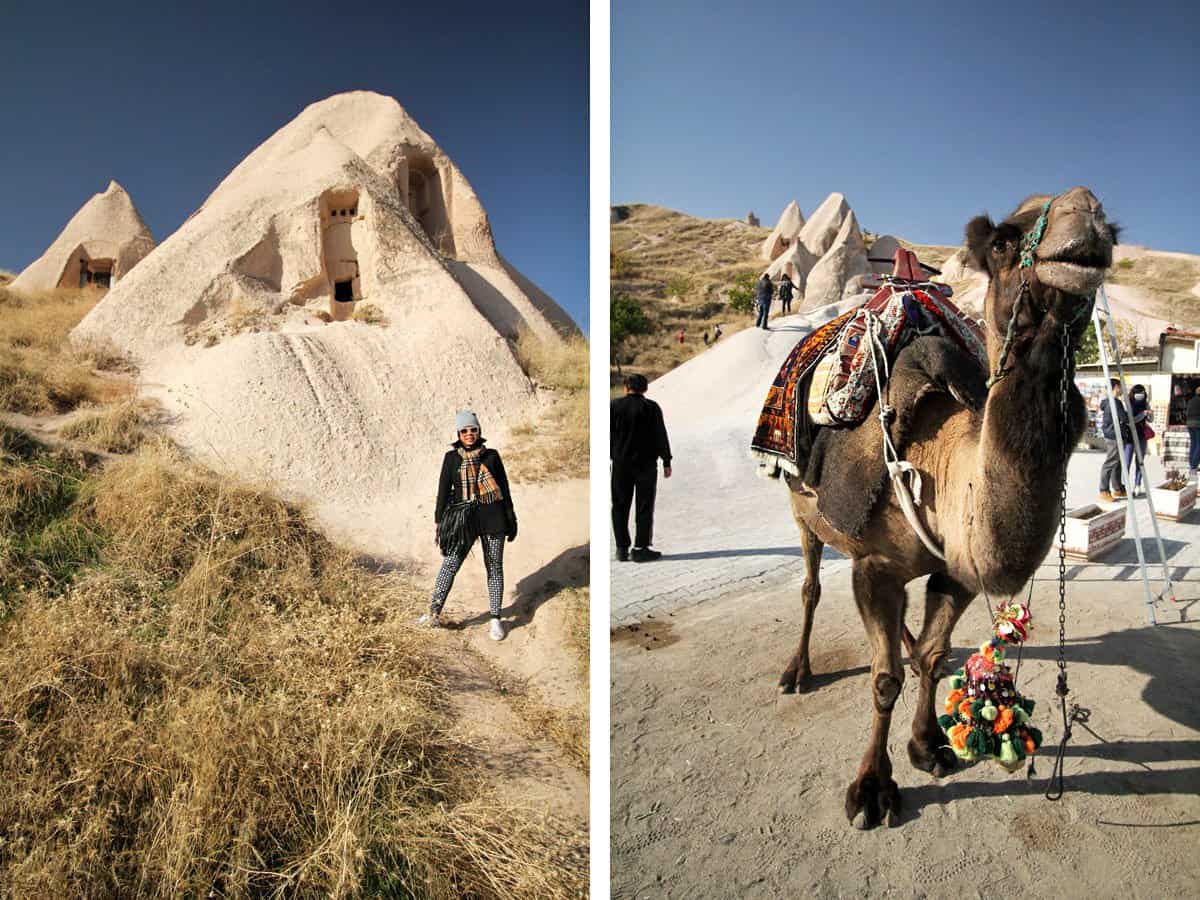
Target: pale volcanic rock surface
[(107, 227), (234, 324)]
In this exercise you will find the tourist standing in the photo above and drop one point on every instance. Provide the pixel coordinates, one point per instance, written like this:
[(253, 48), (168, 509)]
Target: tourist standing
[(785, 294), (473, 501), (1110, 471), (1193, 427), (638, 440), (1140, 405), (762, 298)]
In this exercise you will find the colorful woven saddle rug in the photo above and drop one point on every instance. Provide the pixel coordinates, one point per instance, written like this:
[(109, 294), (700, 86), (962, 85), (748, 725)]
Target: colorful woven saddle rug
[(830, 373)]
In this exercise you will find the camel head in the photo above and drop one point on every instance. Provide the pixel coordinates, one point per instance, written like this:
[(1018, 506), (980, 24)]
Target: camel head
[(1069, 263)]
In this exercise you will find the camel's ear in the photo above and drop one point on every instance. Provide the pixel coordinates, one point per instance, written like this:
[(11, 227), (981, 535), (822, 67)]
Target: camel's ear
[(1114, 231), (979, 235)]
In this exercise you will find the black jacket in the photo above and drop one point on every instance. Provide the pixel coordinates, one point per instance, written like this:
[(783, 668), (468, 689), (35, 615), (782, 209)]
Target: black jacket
[(1193, 412), (1106, 420), (638, 434), (494, 518), (763, 291), (785, 290)]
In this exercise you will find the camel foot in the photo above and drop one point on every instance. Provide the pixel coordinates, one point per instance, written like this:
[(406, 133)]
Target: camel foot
[(934, 758), (795, 680), (870, 801)]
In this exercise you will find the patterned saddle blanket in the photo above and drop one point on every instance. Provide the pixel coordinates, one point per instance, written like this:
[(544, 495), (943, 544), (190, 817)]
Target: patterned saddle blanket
[(829, 378)]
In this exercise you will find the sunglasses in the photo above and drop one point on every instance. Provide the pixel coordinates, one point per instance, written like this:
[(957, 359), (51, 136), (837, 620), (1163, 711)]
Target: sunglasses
[(468, 431)]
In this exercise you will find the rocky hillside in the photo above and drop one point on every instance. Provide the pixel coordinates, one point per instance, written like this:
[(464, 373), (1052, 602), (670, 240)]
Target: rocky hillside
[(680, 271)]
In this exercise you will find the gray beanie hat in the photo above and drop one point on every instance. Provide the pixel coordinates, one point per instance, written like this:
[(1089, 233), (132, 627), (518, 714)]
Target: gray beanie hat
[(465, 419)]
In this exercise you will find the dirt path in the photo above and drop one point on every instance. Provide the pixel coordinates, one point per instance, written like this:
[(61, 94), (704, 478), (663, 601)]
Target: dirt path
[(723, 788)]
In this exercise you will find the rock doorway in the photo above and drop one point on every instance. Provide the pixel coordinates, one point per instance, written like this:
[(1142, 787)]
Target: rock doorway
[(426, 200), (340, 226), (84, 272)]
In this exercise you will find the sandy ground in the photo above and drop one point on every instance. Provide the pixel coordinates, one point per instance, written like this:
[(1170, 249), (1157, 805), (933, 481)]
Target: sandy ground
[(722, 787)]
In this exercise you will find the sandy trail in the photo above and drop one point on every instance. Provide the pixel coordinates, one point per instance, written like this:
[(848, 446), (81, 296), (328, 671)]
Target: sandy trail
[(722, 787)]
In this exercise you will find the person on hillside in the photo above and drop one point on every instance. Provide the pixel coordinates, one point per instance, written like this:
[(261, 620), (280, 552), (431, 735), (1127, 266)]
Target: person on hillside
[(763, 292), (716, 334), (786, 289), (638, 440), (1140, 405), (473, 501), (1110, 471), (681, 335), (1193, 427), (707, 341)]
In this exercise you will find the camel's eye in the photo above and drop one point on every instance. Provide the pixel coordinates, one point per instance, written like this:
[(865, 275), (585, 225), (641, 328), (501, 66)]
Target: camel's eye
[(1001, 245)]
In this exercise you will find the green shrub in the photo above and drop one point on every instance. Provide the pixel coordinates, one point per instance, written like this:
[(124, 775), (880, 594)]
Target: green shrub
[(626, 318), (741, 295)]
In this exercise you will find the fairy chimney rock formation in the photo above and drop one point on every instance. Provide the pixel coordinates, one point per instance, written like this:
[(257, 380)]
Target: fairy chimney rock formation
[(785, 234), (884, 248), (98, 247), (823, 226), (797, 262), (845, 258), (318, 321), (752, 219)]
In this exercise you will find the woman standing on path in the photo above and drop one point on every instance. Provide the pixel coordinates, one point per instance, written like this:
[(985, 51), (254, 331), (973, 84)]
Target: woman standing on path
[(473, 501)]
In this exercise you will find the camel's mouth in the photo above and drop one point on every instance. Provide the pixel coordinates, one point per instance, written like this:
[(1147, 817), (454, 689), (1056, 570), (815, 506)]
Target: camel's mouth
[(1076, 270)]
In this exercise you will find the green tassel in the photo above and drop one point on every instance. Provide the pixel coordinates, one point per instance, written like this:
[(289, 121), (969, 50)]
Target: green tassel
[(1020, 717), (946, 722), (977, 743), (989, 712), (1036, 735), (956, 680), (976, 708), (1027, 704), (1008, 753)]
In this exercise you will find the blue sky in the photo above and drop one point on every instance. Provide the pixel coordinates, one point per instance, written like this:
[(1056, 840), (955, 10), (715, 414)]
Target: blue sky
[(969, 107), (167, 101)]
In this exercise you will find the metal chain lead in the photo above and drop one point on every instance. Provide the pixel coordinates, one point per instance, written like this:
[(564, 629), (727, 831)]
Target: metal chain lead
[(1055, 787)]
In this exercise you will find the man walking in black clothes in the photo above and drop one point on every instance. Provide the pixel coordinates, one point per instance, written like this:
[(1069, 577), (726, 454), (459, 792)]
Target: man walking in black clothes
[(638, 440)]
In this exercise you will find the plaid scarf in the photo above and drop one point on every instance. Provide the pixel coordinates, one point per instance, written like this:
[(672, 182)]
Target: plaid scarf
[(477, 481)]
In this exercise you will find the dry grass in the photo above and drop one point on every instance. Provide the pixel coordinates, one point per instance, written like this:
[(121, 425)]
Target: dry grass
[(370, 314), (120, 428), (553, 446), (679, 270), (242, 316), (1168, 280), (218, 702), (40, 372)]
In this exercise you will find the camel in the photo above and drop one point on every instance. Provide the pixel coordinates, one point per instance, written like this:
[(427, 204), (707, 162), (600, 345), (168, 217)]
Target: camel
[(992, 487)]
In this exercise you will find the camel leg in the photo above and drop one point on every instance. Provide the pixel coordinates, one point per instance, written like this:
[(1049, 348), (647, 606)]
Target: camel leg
[(798, 675), (873, 796), (945, 602)]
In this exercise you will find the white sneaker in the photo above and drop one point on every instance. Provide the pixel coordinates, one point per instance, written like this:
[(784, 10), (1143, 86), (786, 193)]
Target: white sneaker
[(497, 632), (431, 620)]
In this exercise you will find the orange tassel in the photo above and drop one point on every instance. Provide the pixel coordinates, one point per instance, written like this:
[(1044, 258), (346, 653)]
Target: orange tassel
[(1029, 747), (953, 698), (1003, 720), (964, 709), (958, 736)]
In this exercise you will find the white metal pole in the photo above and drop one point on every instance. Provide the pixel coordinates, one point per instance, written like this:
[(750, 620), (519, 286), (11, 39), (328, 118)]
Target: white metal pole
[(1131, 512), (1139, 449)]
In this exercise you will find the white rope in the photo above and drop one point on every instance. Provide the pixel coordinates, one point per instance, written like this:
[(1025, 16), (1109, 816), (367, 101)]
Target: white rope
[(908, 495)]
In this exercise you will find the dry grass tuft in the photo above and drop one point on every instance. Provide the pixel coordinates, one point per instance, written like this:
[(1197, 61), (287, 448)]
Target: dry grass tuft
[(120, 428), (225, 704), (370, 314), (40, 372), (555, 445), (243, 316)]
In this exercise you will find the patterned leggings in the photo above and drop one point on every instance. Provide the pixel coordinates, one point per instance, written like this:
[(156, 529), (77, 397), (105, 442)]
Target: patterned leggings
[(493, 561)]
